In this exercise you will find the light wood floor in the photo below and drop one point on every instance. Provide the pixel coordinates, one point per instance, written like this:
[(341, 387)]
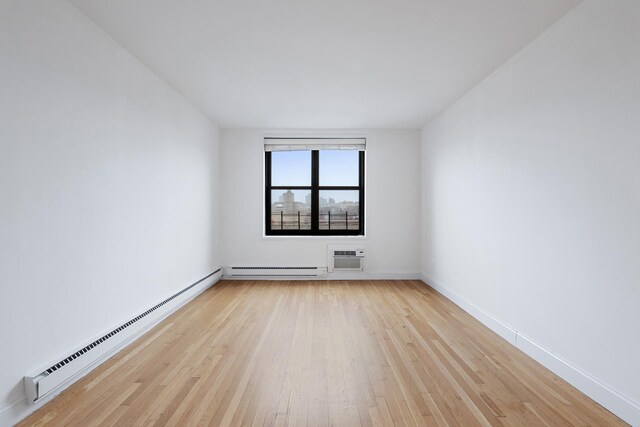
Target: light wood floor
[(321, 353)]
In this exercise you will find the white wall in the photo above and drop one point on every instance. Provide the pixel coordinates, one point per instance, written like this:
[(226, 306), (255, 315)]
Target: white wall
[(531, 193), (392, 205), (108, 187)]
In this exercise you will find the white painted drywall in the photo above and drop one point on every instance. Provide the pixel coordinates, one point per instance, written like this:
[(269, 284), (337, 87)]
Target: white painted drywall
[(392, 205), (108, 187), (531, 193)]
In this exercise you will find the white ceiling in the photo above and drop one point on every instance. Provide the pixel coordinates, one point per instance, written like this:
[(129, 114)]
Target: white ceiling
[(323, 63)]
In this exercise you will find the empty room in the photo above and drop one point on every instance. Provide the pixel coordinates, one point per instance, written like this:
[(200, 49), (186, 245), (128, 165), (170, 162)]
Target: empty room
[(320, 213)]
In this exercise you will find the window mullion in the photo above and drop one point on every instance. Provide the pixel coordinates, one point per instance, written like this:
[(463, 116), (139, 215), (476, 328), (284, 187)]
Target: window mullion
[(315, 192)]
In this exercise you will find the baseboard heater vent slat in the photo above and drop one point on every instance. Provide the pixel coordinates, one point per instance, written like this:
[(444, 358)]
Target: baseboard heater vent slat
[(36, 386), (258, 272)]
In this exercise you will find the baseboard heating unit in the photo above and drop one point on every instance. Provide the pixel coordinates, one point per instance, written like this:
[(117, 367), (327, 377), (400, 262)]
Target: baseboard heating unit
[(58, 374), (274, 272)]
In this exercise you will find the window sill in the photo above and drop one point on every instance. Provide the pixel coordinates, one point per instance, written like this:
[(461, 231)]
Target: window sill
[(265, 237)]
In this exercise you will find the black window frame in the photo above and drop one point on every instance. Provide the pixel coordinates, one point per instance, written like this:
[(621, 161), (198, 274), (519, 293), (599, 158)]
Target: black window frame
[(315, 189)]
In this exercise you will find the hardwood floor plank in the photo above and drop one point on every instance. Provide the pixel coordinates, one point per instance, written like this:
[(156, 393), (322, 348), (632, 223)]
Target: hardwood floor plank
[(321, 353)]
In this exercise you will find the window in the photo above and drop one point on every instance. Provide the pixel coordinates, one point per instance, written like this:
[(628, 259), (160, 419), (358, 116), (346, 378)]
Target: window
[(314, 187)]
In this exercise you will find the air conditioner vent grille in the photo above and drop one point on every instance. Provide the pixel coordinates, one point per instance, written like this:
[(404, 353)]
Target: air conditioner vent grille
[(347, 264)]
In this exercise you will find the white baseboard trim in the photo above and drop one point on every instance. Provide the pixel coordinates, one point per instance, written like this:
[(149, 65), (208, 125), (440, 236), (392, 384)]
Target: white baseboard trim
[(381, 275), (621, 405), (496, 325), (18, 410), (384, 275)]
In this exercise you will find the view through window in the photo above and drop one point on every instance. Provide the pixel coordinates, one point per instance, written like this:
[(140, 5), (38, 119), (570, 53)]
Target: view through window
[(314, 191)]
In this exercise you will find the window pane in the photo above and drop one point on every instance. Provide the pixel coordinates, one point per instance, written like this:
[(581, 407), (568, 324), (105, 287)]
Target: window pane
[(339, 167), (291, 209), (291, 168), (339, 210)]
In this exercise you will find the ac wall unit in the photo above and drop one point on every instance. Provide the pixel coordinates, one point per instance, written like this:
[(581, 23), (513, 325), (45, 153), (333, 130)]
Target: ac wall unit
[(345, 258), (275, 272)]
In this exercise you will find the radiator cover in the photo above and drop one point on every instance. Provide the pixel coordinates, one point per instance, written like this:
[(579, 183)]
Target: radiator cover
[(275, 272), (58, 374)]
